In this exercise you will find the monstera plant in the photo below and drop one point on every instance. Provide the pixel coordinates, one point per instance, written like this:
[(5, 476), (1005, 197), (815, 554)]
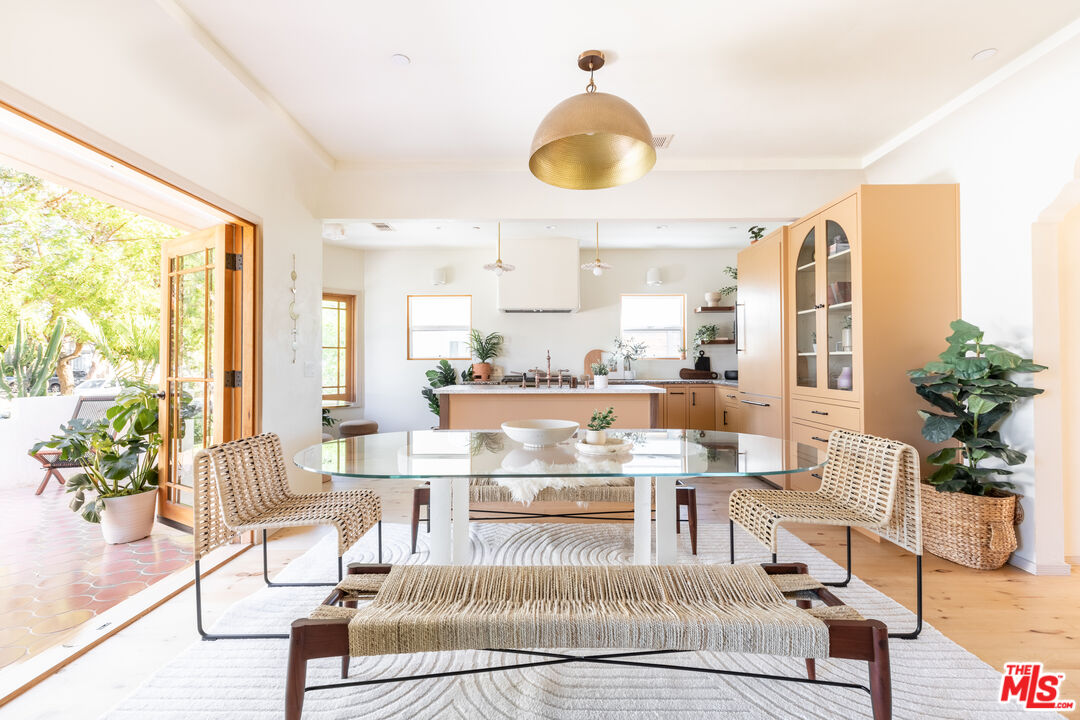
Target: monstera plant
[(972, 386)]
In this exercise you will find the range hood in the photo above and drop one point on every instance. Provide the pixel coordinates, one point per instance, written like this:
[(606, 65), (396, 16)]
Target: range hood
[(546, 279)]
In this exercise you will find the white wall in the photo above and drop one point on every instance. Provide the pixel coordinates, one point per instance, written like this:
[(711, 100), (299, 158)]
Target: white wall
[(1011, 150), (32, 419), (123, 75), (392, 384)]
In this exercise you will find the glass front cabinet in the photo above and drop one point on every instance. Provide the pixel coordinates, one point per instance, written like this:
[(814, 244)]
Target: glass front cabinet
[(823, 254)]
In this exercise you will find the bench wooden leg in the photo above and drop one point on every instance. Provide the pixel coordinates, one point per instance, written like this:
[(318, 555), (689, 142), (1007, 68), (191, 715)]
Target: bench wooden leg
[(880, 676), (421, 497), (310, 639), (811, 664), (691, 517)]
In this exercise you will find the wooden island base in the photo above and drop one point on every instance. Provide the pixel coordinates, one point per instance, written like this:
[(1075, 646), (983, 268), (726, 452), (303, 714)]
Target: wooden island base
[(486, 411)]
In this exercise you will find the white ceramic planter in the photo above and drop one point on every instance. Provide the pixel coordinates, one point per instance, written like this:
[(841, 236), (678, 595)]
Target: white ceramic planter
[(601, 381), (712, 299), (596, 437), (128, 518)]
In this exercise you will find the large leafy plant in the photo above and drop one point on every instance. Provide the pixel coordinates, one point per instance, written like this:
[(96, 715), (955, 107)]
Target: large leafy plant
[(485, 347), (118, 455), (972, 384), (443, 375)]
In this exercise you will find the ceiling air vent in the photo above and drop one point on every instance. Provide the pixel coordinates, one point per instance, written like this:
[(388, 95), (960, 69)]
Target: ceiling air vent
[(662, 142), (383, 227)]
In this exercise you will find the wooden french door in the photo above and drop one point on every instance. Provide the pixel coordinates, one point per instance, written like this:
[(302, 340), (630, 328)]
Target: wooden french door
[(207, 309)]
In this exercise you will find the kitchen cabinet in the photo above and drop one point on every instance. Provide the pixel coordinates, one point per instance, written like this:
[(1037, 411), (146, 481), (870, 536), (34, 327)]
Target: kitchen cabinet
[(761, 415), (675, 407), (701, 408), (727, 403), (872, 283)]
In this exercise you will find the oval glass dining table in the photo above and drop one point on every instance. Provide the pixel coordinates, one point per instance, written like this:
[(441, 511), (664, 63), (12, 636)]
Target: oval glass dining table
[(449, 458)]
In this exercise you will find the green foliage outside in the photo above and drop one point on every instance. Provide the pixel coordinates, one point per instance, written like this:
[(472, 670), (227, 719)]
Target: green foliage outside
[(74, 257), (443, 375), (972, 384)]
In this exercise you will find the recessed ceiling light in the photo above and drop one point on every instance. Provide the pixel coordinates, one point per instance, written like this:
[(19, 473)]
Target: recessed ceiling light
[(549, 227), (475, 227), (733, 227), (985, 54), (661, 227), (400, 60), (438, 227)]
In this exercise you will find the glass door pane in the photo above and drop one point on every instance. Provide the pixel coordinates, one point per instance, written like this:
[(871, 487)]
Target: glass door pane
[(838, 301), (806, 312)]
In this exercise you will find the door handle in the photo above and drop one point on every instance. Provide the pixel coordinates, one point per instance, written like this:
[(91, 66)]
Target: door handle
[(160, 394), (818, 412), (759, 404), (819, 439)]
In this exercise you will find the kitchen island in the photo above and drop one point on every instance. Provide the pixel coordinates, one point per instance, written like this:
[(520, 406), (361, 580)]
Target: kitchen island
[(485, 407)]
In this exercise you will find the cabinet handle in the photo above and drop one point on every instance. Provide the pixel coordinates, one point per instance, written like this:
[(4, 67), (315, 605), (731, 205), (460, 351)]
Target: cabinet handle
[(819, 439), (759, 404), (818, 412), (693, 398), (819, 306), (724, 422), (815, 475), (739, 328), (731, 396), (676, 393)]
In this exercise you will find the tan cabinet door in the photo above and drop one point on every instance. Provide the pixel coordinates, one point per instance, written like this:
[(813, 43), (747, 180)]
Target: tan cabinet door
[(761, 415), (675, 407), (759, 313), (701, 407), (805, 439)]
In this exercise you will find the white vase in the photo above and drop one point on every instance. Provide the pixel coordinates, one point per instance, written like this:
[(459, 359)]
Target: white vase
[(601, 381), (128, 518), (596, 437), (712, 299), (845, 338)]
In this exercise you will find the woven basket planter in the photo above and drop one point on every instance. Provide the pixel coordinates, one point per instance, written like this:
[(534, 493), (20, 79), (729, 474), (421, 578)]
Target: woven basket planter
[(978, 531)]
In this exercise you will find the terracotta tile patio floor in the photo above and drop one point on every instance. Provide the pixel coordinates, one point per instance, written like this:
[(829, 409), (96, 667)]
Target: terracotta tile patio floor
[(56, 572)]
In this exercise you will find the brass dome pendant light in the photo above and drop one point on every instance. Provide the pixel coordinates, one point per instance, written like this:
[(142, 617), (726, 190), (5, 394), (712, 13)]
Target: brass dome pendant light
[(499, 267), (592, 140), (596, 266)]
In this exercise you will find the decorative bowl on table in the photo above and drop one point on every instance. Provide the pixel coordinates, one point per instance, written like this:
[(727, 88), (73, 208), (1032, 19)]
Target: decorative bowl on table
[(539, 433)]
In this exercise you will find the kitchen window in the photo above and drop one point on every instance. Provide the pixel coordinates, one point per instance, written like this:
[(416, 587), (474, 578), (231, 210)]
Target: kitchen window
[(657, 320), (438, 326), (338, 347)]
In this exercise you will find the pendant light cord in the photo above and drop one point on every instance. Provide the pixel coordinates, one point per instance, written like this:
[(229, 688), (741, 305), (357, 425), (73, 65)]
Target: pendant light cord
[(591, 87)]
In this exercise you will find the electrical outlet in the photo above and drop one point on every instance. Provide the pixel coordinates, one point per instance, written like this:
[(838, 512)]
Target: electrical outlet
[(311, 368)]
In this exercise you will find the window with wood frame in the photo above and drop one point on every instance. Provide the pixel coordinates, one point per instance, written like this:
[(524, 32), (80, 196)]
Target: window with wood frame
[(657, 320), (438, 326), (338, 347)]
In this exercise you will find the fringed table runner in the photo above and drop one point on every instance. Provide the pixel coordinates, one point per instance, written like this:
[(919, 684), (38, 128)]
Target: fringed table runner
[(726, 608)]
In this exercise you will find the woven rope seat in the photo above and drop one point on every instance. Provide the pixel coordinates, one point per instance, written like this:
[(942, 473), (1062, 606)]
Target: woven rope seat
[(683, 607), (485, 490), (868, 482)]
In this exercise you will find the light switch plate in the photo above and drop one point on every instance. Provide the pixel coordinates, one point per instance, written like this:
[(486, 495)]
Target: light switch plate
[(310, 368)]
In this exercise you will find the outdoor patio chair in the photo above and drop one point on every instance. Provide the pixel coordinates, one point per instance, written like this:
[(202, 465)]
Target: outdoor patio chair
[(484, 490), (629, 610), (866, 482), (90, 408), (243, 486)]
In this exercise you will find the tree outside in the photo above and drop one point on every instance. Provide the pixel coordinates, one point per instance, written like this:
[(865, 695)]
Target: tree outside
[(76, 261)]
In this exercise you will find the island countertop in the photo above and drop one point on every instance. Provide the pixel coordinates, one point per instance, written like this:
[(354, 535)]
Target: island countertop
[(544, 390)]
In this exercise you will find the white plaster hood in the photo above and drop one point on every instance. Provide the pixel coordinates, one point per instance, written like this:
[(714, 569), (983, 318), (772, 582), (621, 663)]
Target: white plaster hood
[(546, 278)]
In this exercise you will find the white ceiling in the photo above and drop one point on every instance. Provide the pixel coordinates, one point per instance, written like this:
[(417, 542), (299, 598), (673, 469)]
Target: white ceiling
[(785, 83), (614, 234)]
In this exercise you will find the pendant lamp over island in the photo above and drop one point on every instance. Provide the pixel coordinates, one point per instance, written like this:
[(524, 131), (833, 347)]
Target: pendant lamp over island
[(592, 140), (499, 267), (596, 266)]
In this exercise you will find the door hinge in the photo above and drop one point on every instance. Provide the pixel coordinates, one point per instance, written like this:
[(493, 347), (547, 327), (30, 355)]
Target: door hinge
[(234, 261), (233, 379)]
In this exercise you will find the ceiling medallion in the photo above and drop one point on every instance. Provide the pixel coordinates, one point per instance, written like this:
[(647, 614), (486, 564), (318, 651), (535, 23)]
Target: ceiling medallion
[(592, 140), (596, 266), (499, 267)]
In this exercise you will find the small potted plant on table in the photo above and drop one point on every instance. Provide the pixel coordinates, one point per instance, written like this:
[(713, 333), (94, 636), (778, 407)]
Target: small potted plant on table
[(598, 425), (969, 517), (600, 375), (484, 348)]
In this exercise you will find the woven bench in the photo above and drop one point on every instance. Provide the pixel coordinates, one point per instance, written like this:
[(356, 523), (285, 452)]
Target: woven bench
[(648, 609)]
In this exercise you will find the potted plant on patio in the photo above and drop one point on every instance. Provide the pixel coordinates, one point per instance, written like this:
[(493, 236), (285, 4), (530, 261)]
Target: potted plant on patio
[(484, 348), (969, 516), (118, 483)]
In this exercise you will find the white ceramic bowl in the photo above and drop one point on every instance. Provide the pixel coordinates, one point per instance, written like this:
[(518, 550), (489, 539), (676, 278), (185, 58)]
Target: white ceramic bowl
[(539, 433)]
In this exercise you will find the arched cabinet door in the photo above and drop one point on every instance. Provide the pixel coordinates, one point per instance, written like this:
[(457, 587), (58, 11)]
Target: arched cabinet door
[(804, 290), (839, 248)]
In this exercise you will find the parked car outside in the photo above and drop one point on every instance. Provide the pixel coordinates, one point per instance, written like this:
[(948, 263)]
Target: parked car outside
[(98, 386)]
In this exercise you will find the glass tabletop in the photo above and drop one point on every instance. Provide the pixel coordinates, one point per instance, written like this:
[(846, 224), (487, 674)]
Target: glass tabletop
[(426, 454)]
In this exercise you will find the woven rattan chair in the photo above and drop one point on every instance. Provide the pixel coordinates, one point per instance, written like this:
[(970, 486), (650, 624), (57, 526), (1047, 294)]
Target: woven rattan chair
[(867, 482), (485, 490), (643, 610), (243, 486), (88, 408)]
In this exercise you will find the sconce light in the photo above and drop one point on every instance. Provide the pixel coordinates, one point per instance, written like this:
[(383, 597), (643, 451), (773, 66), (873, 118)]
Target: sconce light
[(438, 276), (652, 277)]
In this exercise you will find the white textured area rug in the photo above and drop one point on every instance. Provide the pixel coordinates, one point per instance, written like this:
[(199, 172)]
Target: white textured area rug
[(245, 679)]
